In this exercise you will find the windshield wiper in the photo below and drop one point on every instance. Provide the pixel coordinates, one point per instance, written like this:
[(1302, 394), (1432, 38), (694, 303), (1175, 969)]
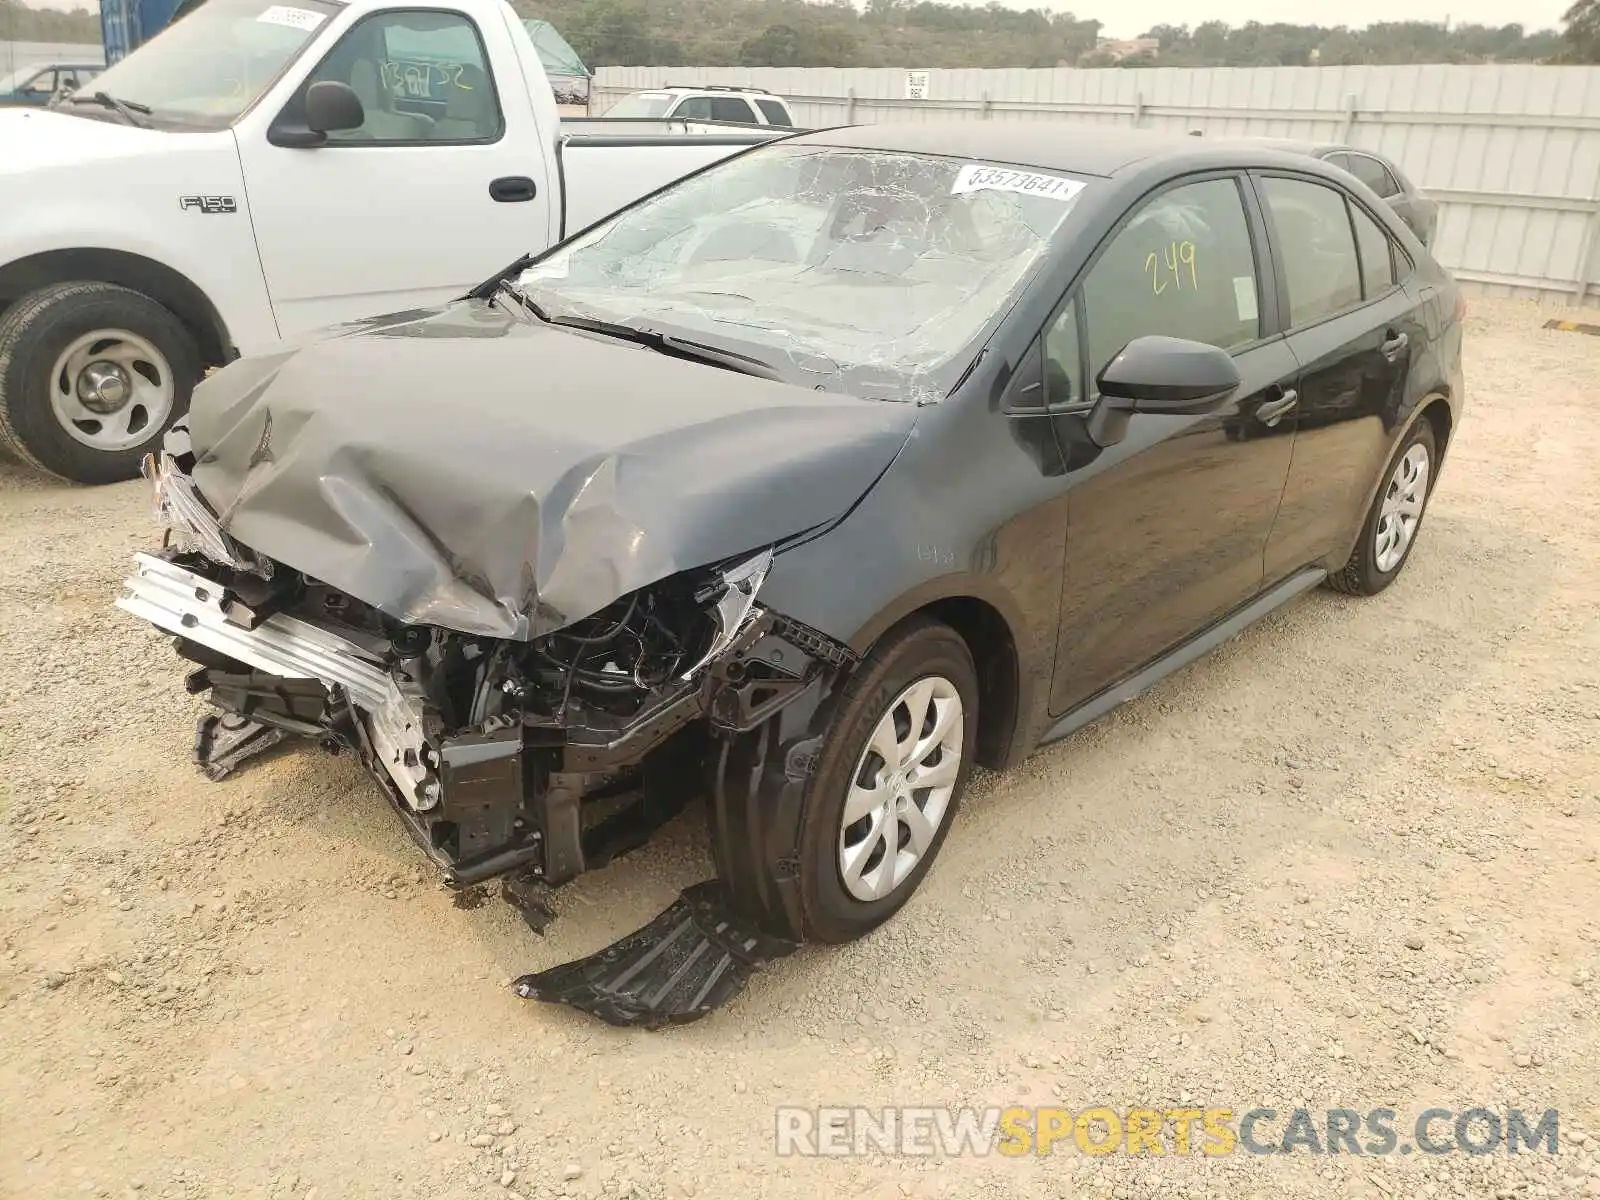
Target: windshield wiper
[(522, 298), (677, 347), (131, 111)]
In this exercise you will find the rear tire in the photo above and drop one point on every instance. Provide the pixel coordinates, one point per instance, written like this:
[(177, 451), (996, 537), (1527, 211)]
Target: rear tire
[(915, 699), (1390, 531), (91, 376)]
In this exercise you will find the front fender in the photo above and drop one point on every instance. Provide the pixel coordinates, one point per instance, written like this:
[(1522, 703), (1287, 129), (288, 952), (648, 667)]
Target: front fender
[(63, 205)]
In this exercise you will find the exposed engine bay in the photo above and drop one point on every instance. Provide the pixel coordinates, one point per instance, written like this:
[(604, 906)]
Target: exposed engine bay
[(543, 758)]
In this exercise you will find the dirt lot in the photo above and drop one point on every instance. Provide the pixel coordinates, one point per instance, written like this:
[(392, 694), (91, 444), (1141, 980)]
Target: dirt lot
[(1350, 859)]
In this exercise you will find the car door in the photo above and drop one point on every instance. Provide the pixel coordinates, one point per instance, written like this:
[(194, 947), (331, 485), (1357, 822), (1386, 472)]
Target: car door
[(434, 192), (40, 88), (1354, 324), (1167, 525)]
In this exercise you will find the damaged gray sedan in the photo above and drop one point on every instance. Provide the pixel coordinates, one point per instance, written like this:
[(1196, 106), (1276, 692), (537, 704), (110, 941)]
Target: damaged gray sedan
[(801, 485)]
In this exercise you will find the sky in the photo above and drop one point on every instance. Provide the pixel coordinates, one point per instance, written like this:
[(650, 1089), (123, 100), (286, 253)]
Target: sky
[(1129, 18)]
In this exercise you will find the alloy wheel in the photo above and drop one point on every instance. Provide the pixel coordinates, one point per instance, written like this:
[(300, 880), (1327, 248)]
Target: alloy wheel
[(1403, 501), (901, 789)]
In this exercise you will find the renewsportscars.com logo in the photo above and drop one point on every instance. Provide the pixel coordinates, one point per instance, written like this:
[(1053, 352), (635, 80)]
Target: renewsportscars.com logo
[(1016, 1131)]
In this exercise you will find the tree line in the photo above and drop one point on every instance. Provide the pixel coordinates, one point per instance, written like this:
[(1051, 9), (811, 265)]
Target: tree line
[(19, 23), (928, 33)]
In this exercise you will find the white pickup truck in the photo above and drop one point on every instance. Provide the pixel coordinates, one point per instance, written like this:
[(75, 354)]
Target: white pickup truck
[(261, 170)]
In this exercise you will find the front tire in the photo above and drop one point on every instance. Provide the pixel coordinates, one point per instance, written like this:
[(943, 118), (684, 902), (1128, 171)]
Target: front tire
[(91, 376), (1395, 518), (889, 780)]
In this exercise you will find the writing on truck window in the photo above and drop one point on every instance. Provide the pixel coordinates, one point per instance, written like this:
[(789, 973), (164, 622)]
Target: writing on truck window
[(423, 80)]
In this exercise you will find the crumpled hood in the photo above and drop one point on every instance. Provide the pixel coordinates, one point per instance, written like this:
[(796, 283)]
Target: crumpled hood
[(469, 469)]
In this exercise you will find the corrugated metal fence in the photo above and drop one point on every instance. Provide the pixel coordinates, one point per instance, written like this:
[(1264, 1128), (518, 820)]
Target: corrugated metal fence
[(1511, 152), (27, 54)]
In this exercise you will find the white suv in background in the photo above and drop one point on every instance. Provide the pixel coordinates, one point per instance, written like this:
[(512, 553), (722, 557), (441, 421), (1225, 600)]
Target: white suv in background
[(714, 102)]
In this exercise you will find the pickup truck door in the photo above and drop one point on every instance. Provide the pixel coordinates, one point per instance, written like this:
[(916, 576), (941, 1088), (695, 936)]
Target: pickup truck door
[(443, 184)]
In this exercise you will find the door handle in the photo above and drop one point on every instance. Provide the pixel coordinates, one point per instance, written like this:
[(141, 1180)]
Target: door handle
[(1391, 349), (513, 189), (1272, 411)]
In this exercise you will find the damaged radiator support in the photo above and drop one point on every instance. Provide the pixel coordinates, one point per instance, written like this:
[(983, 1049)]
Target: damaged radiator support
[(524, 792)]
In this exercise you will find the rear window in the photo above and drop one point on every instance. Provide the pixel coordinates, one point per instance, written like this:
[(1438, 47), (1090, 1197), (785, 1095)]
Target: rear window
[(774, 113), (727, 108), (1373, 173), (641, 105), (1377, 254), (1319, 248)]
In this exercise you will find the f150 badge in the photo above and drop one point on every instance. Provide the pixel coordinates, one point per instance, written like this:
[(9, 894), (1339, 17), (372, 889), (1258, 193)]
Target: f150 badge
[(210, 205)]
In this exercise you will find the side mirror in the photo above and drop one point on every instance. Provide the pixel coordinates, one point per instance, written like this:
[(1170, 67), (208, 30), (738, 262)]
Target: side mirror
[(332, 106), (1167, 375)]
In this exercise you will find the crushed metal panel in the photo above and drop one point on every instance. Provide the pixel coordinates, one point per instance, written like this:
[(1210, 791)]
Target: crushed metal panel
[(474, 470)]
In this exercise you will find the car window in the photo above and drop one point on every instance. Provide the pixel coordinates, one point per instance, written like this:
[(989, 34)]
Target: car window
[(774, 113), (1317, 248), (214, 63), (1337, 159), (885, 263), (1061, 357), (1377, 254), (695, 108), (727, 108), (42, 84), (420, 76), (1183, 266), (641, 104), (1374, 174)]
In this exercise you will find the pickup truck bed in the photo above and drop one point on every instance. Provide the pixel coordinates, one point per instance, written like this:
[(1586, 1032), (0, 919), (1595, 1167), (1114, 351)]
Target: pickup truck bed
[(602, 160)]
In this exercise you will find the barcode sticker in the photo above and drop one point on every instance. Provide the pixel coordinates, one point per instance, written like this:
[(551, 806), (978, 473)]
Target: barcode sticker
[(1244, 297), (294, 18), (974, 177)]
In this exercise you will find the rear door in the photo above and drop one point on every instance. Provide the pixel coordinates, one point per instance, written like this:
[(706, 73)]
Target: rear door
[(1354, 325), (437, 190), (1167, 526)]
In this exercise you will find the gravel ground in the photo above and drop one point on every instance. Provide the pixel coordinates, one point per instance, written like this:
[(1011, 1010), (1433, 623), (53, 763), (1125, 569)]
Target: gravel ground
[(1349, 859)]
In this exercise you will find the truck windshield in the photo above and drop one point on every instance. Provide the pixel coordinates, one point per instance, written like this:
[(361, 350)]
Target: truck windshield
[(208, 67), (641, 105), (831, 263)]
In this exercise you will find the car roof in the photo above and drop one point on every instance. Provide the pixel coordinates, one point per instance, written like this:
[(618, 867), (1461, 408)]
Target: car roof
[(1085, 149)]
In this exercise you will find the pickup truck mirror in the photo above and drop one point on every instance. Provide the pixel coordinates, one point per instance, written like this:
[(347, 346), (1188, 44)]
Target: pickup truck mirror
[(332, 106), (329, 106)]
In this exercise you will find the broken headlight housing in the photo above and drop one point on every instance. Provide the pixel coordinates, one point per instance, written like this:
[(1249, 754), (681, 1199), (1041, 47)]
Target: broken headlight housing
[(190, 525)]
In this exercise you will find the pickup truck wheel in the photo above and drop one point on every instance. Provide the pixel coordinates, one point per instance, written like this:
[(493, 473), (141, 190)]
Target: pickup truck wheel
[(891, 775), (91, 375)]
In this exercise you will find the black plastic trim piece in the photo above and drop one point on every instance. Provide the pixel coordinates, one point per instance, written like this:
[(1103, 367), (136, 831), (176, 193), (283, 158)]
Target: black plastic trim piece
[(691, 960)]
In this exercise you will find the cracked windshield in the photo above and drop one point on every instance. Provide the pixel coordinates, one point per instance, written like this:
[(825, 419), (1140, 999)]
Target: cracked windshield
[(822, 261)]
